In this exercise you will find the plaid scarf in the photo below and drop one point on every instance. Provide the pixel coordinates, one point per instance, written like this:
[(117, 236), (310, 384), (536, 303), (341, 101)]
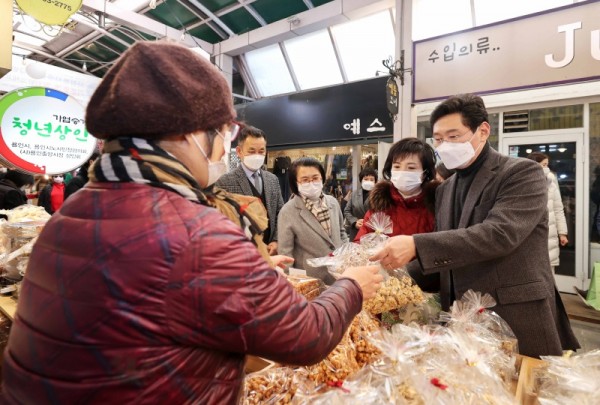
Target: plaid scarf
[(137, 160), (320, 210)]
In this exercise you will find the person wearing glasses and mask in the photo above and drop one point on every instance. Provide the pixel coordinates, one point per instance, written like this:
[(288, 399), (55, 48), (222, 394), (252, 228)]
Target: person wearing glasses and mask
[(250, 179), (492, 232), (358, 204), (310, 224), (407, 195), (138, 291)]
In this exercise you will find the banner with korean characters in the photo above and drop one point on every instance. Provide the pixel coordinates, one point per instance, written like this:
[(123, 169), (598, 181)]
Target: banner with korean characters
[(545, 49), (42, 131)]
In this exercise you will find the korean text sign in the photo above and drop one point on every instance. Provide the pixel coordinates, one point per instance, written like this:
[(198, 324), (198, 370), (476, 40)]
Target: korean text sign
[(556, 47), (42, 131)]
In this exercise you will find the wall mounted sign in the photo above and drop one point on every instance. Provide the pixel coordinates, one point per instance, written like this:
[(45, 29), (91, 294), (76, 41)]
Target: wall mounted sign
[(346, 112), (42, 131), (50, 12), (391, 92), (544, 49)]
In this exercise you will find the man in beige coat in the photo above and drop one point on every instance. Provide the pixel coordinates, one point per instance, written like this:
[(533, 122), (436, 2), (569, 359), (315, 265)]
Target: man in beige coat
[(492, 232)]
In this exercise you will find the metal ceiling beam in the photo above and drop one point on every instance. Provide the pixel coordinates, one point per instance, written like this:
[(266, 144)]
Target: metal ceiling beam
[(83, 20), (309, 4), (203, 20), (213, 17), (255, 14), (40, 51), (144, 24)]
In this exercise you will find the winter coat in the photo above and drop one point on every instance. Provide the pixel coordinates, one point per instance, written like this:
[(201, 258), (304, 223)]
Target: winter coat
[(44, 199), (302, 237), (10, 195), (354, 210), (409, 216), (499, 247), (557, 224), (134, 294)]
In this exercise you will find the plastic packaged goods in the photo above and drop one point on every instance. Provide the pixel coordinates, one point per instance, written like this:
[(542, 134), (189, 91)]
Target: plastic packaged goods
[(361, 329), (570, 380), (273, 386), (26, 213), (338, 365), (309, 287), (398, 289)]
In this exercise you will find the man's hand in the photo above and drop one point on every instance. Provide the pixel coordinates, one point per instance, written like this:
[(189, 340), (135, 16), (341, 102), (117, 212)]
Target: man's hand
[(272, 248), (398, 251), (359, 223)]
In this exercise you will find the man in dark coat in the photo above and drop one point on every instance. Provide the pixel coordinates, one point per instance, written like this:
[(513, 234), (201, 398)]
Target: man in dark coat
[(11, 195), (492, 232)]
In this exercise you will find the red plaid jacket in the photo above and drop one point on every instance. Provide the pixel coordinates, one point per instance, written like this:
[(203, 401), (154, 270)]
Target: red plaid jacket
[(134, 294)]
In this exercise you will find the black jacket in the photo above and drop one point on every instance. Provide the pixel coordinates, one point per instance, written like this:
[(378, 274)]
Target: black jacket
[(10, 195)]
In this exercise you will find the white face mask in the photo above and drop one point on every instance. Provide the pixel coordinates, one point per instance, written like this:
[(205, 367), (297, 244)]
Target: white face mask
[(215, 169), (546, 170), (58, 179), (456, 154), (226, 141), (254, 162), (407, 183), (312, 190), (368, 185)]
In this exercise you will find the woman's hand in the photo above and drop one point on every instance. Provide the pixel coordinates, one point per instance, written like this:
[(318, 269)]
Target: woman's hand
[(368, 277), (563, 240), (281, 261), (359, 223)]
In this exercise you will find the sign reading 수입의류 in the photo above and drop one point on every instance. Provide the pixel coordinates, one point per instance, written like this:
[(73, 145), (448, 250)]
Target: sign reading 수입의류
[(42, 131)]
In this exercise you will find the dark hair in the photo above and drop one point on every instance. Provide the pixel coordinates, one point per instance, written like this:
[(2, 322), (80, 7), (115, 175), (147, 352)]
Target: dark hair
[(443, 171), (538, 156), (411, 146), (20, 179), (83, 170), (368, 171), (469, 106), (247, 131), (304, 162)]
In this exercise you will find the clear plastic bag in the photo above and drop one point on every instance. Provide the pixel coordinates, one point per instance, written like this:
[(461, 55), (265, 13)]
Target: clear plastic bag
[(362, 327), (574, 380), (382, 226), (309, 287), (338, 365), (270, 386)]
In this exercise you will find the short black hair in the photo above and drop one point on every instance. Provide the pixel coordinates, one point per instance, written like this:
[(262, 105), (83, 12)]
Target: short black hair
[(248, 130), (411, 146), (304, 162), (538, 156), (20, 179), (470, 106), (368, 171)]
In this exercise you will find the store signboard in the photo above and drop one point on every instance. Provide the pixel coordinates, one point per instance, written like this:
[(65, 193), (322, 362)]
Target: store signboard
[(42, 131), (544, 49), (51, 12), (339, 113)]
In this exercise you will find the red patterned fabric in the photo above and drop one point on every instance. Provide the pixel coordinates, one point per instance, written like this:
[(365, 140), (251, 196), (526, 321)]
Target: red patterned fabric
[(134, 294)]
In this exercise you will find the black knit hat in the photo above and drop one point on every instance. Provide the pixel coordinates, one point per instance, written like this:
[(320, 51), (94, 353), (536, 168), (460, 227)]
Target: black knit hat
[(156, 90)]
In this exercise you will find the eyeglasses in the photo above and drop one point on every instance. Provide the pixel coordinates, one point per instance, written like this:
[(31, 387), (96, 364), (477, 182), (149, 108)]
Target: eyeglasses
[(234, 129), (230, 135), (306, 180), (452, 138)]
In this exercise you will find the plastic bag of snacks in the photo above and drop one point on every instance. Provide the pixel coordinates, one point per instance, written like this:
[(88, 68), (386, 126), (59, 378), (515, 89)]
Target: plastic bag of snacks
[(397, 291), (338, 365), (272, 386), (382, 226), (361, 329), (571, 380), (491, 340), (309, 287)]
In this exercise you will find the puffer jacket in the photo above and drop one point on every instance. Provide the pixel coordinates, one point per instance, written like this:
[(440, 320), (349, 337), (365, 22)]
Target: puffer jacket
[(409, 216), (557, 224), (134, 294)]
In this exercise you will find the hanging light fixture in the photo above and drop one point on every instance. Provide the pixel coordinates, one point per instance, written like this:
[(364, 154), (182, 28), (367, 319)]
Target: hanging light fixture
[(562, 148)]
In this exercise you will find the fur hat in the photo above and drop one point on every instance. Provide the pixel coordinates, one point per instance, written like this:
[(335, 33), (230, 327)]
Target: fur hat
[(156, 90)]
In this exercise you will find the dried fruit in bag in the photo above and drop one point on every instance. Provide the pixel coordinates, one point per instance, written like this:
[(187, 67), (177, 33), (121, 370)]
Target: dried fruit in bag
[(396, 292), (361, 328), (338, 365), (309, 287), (272, 386)]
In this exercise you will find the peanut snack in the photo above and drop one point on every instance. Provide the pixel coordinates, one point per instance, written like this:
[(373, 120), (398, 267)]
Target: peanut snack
[(394, 293), (273, 386), (362, 325)]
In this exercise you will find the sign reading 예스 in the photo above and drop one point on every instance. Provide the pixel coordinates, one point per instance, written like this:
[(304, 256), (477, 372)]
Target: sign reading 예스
[(42, 131), (50, 12)]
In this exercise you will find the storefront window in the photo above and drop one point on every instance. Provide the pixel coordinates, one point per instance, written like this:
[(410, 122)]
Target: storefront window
[(594, 159), (539, 119)]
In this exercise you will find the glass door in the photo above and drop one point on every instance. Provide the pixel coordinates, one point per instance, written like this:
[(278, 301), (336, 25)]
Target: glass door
[(565, 152)]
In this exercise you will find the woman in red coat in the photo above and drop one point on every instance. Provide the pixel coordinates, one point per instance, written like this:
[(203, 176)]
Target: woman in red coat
[(408, 192), (137, 291)]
